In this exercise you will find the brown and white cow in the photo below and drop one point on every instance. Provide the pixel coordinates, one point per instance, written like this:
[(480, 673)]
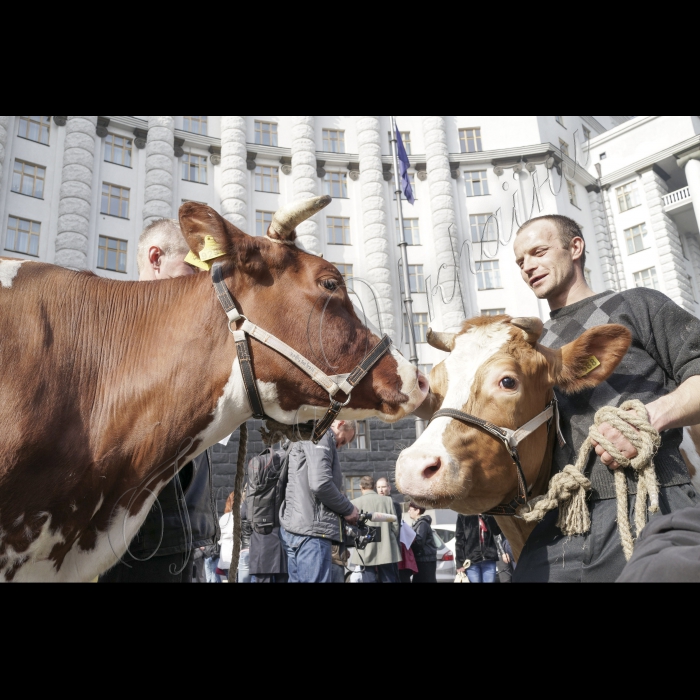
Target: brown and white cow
[(108, 387), (497, 371)]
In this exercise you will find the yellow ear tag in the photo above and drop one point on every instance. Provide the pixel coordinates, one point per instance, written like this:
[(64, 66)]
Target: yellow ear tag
[(211, 249), (591, 363), (192, 259)]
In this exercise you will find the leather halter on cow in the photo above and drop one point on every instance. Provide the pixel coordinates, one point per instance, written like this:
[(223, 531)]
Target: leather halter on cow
[(345, 383), (510, 439)]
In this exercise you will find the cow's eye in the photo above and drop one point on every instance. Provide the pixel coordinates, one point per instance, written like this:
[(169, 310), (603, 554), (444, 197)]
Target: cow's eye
[(330, 284), (508, 383)]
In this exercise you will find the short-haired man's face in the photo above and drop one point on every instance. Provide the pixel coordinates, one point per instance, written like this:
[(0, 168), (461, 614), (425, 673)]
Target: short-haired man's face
[(164, 267), (383, 487), (344, 435), (545, 265), (413, 513)]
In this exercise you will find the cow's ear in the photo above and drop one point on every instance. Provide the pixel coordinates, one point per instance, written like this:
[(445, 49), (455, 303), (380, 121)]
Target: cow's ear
[(208, 234), (590, 359)]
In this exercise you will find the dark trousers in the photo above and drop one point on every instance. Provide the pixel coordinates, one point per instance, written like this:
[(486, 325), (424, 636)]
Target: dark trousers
[(426, 572), (405, 575), (269, 578), (165, 569), (596, 557), (382, 573)]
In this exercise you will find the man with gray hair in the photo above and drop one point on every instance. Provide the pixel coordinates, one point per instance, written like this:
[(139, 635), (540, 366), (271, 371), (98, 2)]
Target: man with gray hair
[(164, 548)]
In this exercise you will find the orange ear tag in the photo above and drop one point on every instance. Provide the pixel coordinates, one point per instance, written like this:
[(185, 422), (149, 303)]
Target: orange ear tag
[(591, 363)]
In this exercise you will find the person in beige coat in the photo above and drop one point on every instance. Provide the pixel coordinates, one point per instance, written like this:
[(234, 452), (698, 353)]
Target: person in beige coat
[(380, 558)]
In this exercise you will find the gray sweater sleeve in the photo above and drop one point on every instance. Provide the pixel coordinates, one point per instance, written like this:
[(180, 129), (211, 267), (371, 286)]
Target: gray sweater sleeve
[(319, 460), (675, 339)]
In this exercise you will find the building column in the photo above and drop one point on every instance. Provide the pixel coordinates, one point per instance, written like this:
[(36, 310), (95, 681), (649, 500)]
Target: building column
[(376, 250), (692, 173), (160, 159), (234, 173), (604, 245), (614, 242), (4, 122), (668, 242), (304, 178), (75, 198), (444, 220)]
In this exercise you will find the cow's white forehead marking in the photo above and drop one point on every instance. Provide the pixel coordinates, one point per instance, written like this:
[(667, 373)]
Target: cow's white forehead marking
[(471, 350), (8, 271)]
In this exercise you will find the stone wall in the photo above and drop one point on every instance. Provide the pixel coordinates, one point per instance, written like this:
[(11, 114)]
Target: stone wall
[(386, 441)]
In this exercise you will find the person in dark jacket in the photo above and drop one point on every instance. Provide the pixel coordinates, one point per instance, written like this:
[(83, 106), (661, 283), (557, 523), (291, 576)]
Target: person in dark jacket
[(475, 541), (162, 550), (423, 546), (667, 551), (315, 506)]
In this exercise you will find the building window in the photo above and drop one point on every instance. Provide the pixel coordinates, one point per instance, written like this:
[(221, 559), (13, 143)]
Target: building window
[(483, 228), (196, 125), (336, 185), (412, 180), (267, 179), (345, 270), (636, 238), (470, 140), (410, 231), (361, 441), (488, 274), (194, 168), (115, 201), (572, 193), (586, 134), (560, 120), (587, 277), (420, 325), (406, 138), (338, 230), (425, 369), (333, 141), (352, 485), (646, 278), (416, 279), (627, 196), (111, 254), (118, 150), (266, 133), (23, 236), (35, 129), (28, 179), (477, 183), (564, 147), (493, 312), (263, 219)]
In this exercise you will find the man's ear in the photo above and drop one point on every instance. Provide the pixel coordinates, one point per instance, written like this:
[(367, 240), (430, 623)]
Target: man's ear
[(208, 235), (589, 360)]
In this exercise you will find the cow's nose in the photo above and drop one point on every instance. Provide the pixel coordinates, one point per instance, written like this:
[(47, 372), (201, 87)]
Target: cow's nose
[(423, 383), (430, 467)]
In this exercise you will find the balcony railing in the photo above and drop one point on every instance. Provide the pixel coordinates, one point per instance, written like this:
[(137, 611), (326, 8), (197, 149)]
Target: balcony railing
[(677, 197)]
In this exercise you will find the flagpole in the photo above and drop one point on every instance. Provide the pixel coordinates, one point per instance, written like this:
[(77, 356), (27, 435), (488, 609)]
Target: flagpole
[(403, 245)]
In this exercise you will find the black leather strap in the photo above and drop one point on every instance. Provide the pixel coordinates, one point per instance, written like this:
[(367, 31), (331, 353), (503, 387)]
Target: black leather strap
[(322, 426), (360, 372), (509, 509), (222, 291), (251, 388)]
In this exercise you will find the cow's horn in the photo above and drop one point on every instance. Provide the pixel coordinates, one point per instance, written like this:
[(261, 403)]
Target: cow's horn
[(531, 327), (442, 341), (286, 219)]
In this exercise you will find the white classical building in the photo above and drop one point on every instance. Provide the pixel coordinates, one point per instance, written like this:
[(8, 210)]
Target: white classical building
[(77, 191)]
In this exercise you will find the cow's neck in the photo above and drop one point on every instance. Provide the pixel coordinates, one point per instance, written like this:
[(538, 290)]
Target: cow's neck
[(516, 530)]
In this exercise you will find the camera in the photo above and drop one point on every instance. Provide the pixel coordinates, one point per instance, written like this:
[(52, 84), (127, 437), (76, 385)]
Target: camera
[(362, 534)]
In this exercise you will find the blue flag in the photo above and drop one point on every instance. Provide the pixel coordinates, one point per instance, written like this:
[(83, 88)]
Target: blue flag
[(404, 165)]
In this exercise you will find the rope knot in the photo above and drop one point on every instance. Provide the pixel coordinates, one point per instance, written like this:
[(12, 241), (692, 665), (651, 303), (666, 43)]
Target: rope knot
[(567, 489)]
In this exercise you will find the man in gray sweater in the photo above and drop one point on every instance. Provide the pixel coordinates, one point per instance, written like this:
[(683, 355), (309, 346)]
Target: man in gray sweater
[(661, 369), (315, 506)]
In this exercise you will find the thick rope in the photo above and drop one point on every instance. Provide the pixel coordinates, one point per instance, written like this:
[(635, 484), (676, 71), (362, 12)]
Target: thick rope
[(568, 489), (237, 498)]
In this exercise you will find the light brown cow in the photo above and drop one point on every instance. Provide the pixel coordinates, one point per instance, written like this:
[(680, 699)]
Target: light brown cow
[(107, 388), (497, 371)]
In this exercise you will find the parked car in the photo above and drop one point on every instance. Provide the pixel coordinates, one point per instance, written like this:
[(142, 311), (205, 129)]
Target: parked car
[(445, 571)]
